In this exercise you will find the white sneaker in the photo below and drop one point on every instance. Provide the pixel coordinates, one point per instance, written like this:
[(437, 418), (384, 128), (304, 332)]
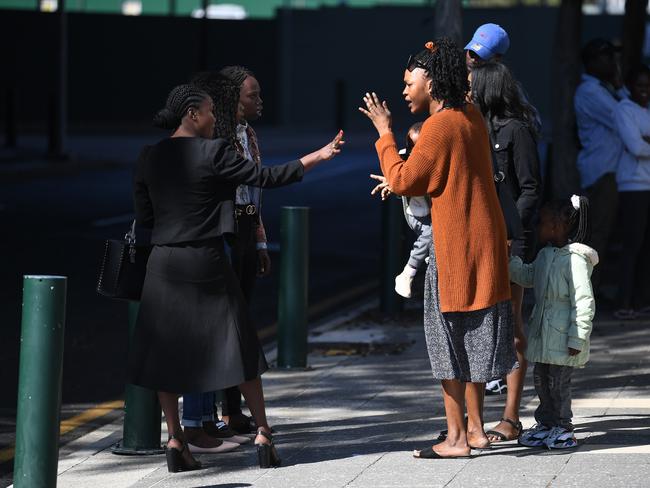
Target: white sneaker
[(496, 387), (560, 438), (403, 284), (225, 446)]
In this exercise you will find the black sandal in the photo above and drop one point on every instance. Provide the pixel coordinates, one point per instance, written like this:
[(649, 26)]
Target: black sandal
[(501, 436), (267, 454), (176, 463), (429, 453)]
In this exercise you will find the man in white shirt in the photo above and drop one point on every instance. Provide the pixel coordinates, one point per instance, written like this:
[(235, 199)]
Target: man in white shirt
[(595, 104)]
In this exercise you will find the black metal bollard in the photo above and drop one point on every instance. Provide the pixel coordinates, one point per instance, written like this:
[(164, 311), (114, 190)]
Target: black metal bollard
[(39, 384), (392, 254), (294, 282)]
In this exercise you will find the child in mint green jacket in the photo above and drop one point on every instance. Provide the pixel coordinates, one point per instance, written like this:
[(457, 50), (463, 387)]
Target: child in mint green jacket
[(561, 322)]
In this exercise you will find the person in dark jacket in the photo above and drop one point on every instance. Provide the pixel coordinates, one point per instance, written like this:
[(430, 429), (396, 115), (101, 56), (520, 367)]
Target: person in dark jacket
[(192, 333), (512, 126)]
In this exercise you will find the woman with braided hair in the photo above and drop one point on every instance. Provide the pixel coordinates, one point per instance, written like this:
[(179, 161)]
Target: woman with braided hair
[(191, 333), (467, 313)]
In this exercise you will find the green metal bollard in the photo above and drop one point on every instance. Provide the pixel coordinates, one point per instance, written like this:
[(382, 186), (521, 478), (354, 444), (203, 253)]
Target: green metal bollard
[(392, 254), (293, 294), (142, 414), (39, 383)]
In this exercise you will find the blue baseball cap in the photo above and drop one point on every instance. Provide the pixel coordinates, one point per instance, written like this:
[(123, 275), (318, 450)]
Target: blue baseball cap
[(488, 41)]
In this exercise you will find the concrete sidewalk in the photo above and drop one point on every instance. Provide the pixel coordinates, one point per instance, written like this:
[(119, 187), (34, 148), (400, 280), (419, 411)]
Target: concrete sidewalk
[(352, 420)]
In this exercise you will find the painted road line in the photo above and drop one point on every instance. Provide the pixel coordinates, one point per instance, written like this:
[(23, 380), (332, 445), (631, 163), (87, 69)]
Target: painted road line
[(269, 331), (72, 423), (120, 219), (638, 403)]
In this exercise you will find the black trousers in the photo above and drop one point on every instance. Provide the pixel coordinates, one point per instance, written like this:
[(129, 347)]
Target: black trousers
[(603, 208), (635, 237), (553, 387), (244, 262)]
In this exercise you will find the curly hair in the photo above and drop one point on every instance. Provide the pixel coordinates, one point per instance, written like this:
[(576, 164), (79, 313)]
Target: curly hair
[(500, 96), (225, 96), (237, 74), (179, 101), (445, 65)]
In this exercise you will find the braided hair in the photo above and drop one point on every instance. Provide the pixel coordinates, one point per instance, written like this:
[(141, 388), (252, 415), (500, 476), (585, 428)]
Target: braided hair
[(445, 65), (179, 101), (237, 74), (225, 96), (575, 220)]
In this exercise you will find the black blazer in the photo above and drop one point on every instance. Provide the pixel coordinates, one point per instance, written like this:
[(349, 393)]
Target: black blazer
[(184, 187), (515, 151)]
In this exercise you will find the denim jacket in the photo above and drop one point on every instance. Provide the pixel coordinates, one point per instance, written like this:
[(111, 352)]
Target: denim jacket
[(564, 303)]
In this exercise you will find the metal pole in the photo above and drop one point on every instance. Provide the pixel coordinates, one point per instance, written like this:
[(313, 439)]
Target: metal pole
[(293, 294), (59, 96), (10, 118), (339, 104), (39, 382), (285, 72), (392, 254), (142, 414), (203, 36)]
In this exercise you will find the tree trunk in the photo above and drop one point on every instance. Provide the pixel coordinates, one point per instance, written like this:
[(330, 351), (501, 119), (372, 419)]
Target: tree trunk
[(562, 175), (634, 23), (449, 20)]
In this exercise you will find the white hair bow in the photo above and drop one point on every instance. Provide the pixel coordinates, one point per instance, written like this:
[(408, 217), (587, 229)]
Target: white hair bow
[(575, 201)]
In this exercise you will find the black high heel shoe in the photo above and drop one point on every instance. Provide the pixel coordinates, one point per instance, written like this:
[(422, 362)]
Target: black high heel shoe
[(175, 460), (267, 454)]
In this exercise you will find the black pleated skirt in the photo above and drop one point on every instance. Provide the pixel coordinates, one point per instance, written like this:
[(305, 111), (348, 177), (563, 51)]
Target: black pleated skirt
[(193, 333)]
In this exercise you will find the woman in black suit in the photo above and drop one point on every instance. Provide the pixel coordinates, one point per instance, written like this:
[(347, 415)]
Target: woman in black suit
[(191, 333)]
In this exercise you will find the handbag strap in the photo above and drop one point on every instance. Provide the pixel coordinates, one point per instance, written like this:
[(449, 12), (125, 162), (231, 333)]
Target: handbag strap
[(129, 237), (130, 241)]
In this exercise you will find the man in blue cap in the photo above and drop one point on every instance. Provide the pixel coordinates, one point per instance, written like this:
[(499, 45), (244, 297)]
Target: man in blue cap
[(489, 42)]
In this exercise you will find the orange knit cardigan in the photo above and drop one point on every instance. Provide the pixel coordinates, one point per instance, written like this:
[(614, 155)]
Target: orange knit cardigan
[(451, 162)]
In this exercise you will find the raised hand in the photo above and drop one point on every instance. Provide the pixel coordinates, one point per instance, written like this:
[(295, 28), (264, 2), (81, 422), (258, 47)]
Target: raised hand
[(378, 113), (382, 187), (333, 148)]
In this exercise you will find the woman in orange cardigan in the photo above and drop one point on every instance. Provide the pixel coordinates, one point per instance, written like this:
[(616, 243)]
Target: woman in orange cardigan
[(467, 313)]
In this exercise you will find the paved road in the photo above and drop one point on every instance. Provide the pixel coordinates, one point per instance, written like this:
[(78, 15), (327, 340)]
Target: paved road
[(56, 218)]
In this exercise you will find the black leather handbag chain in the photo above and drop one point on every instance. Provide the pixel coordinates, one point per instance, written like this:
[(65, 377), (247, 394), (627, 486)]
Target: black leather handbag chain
[(123, 268)]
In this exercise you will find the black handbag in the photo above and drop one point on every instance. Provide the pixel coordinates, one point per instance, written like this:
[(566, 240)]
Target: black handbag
[(514, 227), (123, 268)]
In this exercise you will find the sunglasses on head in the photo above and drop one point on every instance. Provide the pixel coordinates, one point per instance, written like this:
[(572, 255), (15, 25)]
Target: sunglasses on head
[(413, 63)]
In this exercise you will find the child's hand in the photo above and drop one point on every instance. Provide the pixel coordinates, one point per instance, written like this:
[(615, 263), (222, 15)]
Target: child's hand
[(381, 187), (573, 352)]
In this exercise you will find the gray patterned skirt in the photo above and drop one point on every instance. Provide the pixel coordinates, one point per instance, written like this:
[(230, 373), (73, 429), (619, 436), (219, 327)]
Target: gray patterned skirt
[(475, 346)]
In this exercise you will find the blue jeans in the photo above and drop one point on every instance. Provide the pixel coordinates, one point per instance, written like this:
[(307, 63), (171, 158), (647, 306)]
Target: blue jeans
[(197, 408)]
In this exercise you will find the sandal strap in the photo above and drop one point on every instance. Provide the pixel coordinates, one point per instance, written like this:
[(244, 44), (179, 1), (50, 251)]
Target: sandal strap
[(265, 434), (175, 437), (515, 425)]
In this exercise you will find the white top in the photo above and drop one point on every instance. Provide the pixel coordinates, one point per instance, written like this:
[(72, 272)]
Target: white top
[(417, 206), (243, 196), (633, 122)]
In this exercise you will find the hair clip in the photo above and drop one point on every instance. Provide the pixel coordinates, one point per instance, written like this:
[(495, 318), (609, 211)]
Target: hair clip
[(431, 46), (575, 201)]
